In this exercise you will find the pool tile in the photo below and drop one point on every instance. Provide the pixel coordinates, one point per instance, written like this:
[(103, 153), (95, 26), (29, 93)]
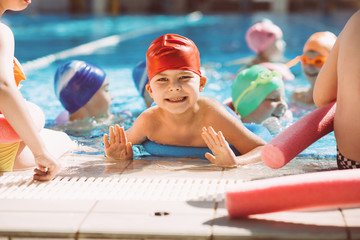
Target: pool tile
[(40, 205), (120, 225), (38, 224), (352, 218), (155, 167), (152, 207), (283, 225), (260, 171)]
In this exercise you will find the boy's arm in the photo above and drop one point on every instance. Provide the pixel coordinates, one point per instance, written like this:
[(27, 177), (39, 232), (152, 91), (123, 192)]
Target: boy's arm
[(223, 154), (325, 88), (137, 134), (233, 129), (342, 65), (235, 133), (118, 144)]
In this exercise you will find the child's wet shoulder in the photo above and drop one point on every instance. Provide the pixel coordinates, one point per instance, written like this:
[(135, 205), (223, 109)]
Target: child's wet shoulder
[(205, 100), (5, 33), (149, 115), (4, 29)]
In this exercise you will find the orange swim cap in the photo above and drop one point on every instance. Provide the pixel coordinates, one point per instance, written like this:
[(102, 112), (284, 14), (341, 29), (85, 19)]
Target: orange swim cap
[(321, 42), (172, 51)]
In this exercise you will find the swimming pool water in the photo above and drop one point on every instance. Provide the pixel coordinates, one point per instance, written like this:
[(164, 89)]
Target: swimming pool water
[(220, 38)]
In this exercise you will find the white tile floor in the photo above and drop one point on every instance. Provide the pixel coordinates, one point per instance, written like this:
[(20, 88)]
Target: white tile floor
[(154, 199)]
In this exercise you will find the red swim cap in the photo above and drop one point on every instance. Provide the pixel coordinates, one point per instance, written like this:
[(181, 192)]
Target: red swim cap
[(172, 51)]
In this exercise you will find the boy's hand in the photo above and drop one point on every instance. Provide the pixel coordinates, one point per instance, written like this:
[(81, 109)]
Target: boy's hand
[(223, 155), (118, 147)]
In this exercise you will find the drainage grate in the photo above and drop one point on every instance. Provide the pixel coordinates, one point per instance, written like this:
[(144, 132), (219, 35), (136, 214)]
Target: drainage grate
[(99, 188)]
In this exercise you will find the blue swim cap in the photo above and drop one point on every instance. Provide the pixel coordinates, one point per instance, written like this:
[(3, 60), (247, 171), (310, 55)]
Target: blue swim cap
[(76, 82), (140, 77)]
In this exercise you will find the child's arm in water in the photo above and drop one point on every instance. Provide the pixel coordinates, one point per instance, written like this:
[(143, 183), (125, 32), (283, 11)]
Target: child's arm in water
[(222, 153), (118, 147), (232, 129), (325, 88)]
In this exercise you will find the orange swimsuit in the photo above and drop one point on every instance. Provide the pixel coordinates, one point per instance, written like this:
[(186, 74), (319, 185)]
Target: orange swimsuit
[(18, 72), (8, 151)]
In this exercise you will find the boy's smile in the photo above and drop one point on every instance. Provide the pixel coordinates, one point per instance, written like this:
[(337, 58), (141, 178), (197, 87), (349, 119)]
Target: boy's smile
[(176, 99)]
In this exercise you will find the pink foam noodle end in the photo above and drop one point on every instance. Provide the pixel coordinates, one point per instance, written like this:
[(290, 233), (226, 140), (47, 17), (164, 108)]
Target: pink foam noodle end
[(293, 140), (8, 134), (332, 189)]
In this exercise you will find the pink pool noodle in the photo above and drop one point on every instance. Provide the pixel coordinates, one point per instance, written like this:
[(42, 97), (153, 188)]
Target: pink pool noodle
[(331, 189), (293, 140)]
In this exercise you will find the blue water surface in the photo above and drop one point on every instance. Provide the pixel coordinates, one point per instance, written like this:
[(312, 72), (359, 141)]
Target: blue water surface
[(220, 39)]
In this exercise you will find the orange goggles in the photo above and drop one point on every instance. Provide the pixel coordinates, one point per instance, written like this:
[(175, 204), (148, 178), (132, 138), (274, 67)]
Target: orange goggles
[(317, 61)]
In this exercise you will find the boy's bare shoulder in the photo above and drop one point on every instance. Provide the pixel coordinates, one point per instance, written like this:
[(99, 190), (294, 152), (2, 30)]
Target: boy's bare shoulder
[(149, 116), (211, 104), (4, 28), (207, 100), (5, 33), (213, 111), (357, 16)]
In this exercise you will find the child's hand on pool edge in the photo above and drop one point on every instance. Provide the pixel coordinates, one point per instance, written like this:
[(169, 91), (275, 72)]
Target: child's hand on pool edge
[(223, 155), (118, 147), (47, 167)]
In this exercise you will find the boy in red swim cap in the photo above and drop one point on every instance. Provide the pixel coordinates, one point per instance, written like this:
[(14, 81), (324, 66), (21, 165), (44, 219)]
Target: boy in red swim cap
[(181, 116)]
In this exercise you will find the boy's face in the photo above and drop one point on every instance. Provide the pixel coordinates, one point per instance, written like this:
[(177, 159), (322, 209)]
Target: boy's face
[(99, 104), (176, 90), (273, 105)]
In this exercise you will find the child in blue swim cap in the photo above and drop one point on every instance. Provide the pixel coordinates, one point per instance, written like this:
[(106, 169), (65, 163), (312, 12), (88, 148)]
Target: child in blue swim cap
[(82, 89), (140, 78)]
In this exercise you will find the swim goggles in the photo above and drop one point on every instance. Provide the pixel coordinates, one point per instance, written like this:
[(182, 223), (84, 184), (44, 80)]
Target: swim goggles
[(317, 61), (263, 78)]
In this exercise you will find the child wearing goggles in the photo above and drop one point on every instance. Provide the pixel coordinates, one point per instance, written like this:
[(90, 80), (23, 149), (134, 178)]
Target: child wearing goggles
[(315, 52)]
